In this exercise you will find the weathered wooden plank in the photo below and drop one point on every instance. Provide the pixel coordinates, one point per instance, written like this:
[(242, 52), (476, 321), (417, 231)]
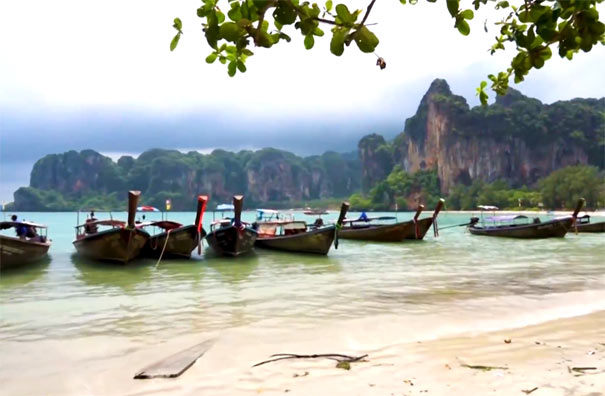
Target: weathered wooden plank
[(175, 365)]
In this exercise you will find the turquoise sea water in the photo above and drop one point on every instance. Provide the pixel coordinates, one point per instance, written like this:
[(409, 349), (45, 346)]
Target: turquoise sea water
[(67, 297)]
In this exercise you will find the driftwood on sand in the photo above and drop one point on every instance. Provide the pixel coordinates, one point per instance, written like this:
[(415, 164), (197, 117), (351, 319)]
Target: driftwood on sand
[(334, 356), (175, 365)]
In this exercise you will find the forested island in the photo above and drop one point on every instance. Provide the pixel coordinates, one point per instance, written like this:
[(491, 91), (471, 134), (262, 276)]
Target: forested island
[(516, 152)]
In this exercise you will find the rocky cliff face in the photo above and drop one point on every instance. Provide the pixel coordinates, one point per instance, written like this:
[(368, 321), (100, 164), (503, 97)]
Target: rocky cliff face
[(517, 139), (377, 160), (76, 173), (89, 179)]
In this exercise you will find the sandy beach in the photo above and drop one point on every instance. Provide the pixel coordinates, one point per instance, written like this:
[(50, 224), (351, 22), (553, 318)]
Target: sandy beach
[(544, 359)]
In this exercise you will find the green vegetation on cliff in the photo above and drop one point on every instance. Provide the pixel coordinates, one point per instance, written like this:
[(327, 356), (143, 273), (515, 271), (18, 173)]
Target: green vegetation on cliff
[(88, 179), (561, 189)]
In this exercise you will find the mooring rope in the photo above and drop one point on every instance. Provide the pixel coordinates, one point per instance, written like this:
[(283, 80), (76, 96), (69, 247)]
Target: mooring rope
[(164, 248)]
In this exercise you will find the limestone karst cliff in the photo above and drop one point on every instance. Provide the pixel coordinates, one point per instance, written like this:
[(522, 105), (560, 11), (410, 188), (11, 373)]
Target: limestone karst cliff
[(516, 139), (89, 179)]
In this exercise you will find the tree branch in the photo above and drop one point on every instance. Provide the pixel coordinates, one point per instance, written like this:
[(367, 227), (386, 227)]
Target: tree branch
[(261, 19), (365, 17)]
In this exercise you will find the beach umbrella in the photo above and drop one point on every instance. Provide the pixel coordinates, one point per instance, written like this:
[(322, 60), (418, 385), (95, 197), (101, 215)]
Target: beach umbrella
[(147, 209)]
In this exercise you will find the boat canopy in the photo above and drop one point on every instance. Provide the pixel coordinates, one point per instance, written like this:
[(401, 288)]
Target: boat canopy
[(505, 218), (366, 219), (4, 225), (112, 223), (147, 209), (267, 211), (487, 207), (315, 212), (163, 224), (225, 207), (266, 214)]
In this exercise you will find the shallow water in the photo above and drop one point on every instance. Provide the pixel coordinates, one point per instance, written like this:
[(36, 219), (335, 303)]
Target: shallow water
[(69, 297)]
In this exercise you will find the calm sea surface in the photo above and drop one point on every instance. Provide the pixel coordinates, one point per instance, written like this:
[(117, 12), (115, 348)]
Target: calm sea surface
[(70, 297)]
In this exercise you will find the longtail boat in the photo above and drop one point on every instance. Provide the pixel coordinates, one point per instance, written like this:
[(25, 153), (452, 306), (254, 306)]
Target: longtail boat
[(175, 240), (296, 236), (583, 224), (374, 229), (121, 242), (232, 237), (519, 226), (29, 246)]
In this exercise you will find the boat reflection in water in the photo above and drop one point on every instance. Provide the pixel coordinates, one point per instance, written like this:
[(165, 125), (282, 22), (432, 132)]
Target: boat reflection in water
[(102, 273), (22, 275)]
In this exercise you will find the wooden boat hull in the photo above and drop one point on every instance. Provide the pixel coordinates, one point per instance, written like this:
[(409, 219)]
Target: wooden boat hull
[(387, 233), (119, 244), (549, 229), (181, 242), (15, 252), (592, 227), (318, 241), (232, 241)]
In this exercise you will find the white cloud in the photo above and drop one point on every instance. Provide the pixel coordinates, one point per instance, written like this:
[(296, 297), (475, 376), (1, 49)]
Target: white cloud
[(65, 55)]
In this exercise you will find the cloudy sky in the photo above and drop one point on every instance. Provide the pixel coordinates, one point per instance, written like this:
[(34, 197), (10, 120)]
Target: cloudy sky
[(78, 74)]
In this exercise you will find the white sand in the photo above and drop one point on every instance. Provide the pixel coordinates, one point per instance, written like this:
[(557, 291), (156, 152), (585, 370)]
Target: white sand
[(538, 356)]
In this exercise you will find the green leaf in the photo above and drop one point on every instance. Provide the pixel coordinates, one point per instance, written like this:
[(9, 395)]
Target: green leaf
[(467, 14), (308, 26), (328, 5), (463, 27), (284, 36), (343, 13), (453, 6), (481, 90), (244, 23), (264, 39), (309, 41), (211, 58), (235, 14), (337, 44), (232, 68), (284, 13), (212, 35), (220, 17), (175, 41), (202, 12), (230, 31), (178, 25), (241, 66), (366, 40)]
